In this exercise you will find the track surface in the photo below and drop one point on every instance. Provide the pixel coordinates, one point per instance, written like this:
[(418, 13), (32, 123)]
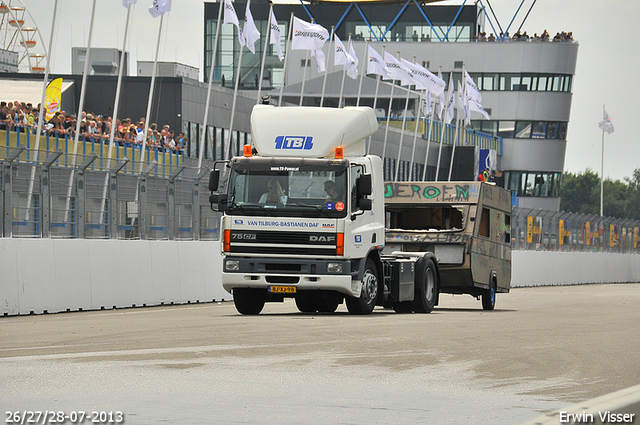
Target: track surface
[(541, 349)]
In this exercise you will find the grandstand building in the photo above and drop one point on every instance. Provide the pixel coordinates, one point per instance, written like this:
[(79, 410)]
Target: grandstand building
[(525, 85)]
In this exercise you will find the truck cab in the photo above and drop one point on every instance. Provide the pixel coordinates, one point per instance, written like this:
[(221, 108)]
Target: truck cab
[(303, 211)]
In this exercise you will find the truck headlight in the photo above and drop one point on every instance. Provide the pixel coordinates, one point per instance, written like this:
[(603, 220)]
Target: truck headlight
[(334, 268), (232, 265)]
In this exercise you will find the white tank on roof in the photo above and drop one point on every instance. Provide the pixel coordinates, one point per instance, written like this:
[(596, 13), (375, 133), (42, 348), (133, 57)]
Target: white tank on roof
[(311, 132)]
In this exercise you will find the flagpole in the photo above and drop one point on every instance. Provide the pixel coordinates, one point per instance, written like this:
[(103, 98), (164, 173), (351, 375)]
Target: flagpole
[(233, 104), (404, 122), (453, 151), (602, 169), (304, 75), (210, 82), (116, 105), (286, 57), (415, 132), (150, 100), (344, 74), (426, 157), (386, 130), (365, 55), (375, 97), (324, 80), (446, 114), (267, 39), (42, 114), (464, 133), (79, 116)]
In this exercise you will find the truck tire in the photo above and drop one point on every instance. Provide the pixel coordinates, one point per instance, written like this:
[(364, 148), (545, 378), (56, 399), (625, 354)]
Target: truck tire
[(365, 303), (426, 286), (248, 301), (306, 303), (489, 297)]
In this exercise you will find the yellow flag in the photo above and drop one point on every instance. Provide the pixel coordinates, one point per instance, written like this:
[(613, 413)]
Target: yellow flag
[(52, 98)]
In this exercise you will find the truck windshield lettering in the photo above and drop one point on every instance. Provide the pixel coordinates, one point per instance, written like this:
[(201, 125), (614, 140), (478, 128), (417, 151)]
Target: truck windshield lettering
[(312, 189)]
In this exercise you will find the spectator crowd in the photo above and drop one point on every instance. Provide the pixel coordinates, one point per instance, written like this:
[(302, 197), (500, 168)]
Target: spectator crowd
[(22, 116), (518, 36)]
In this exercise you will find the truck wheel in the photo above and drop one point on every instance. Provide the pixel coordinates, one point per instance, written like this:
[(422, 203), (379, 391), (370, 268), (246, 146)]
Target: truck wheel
[(426, 285), (306, 304), (369, 293), (489, 297), (248, 300)]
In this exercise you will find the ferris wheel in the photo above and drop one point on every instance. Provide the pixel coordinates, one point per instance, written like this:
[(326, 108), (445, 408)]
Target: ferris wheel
[(19, 33)]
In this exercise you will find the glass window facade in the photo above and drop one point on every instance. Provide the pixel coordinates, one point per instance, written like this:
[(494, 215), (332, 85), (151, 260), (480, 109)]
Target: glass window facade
[(533, 183), (521, 82), (522, 129)]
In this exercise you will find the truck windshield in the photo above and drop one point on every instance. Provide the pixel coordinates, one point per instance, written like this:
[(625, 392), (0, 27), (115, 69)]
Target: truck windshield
[(288, 187)]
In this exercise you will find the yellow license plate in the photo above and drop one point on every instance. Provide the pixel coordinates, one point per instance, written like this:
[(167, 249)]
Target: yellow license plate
[(282, 289)]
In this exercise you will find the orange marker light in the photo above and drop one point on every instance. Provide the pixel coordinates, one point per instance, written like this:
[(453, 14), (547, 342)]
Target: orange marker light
[(226, 246), (247, 151), (340, 244), (339, 152)]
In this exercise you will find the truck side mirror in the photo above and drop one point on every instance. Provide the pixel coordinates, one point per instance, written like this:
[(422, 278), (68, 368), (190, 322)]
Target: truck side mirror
[(365, 204), (364, 185), (219, 200), (214, 180)]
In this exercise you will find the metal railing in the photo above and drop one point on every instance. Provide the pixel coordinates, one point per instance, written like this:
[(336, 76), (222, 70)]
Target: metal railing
[(44, 195), (563, 231), (54, 194)]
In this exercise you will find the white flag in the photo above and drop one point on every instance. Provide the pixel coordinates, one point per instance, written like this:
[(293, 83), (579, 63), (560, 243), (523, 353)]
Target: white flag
[(425, 105), (474, 105), (250, 32), (307, 36), (424, 78), (127, 3), (353, 71), (275, 35), (606, 124), (441, 99), (464, 102), (472, 89), (159, 7), (397, 71), (320, 59), (231, 17), (341, 57), (376, 64), (451, 98)]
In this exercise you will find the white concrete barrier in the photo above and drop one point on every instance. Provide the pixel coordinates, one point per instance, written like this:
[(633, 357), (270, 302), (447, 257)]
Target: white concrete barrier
[(54, 275), (539, 268)]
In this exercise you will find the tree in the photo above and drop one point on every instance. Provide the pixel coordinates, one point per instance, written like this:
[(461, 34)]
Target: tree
[(580, 193), (632, 210)]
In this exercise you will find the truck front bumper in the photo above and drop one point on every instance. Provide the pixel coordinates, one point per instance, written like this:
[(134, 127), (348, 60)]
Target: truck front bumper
[(304, 274)]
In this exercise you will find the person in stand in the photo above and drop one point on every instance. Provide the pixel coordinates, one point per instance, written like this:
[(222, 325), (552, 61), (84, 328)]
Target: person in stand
[(332, 192), (274, 194)]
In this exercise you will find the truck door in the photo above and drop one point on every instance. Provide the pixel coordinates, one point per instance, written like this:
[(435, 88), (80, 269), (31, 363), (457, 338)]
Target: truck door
[(359, 223)]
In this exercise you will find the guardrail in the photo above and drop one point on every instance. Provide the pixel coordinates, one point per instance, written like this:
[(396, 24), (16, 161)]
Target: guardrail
[(60, 195), (51, 192), (542, 230)]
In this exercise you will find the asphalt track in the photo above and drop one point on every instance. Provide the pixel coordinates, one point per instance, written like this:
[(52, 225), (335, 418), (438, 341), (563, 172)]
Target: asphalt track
[(541, 349)]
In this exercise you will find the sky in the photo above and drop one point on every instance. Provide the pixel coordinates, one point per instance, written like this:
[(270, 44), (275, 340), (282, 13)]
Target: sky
[(607, 57)]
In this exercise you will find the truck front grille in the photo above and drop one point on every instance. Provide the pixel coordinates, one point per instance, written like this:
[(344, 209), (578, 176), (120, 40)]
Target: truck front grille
[(283, 243)]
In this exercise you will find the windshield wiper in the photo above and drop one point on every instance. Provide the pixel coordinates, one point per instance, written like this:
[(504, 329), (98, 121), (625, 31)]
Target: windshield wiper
[(324, 211), (251, 206)]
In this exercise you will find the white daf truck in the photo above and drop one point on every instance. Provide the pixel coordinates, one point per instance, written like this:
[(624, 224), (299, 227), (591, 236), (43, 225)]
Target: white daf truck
[(304, 217)]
